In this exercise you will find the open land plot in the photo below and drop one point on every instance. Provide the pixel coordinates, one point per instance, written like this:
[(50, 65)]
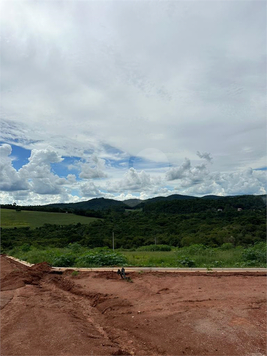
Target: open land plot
[(97, 313)]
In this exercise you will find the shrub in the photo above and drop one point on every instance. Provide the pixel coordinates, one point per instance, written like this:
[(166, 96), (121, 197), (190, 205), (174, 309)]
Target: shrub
[(64, 261), (195, 248), (101, 258), (155, 248), (186, 262), (25, 247), (226, 246), (255, 254), (75, 247)]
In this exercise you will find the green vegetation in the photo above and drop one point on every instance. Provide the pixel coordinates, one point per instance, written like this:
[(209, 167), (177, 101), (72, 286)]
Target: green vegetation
[(11, 218), (155, 248), (192, 256), (69, 257), (221, 232)]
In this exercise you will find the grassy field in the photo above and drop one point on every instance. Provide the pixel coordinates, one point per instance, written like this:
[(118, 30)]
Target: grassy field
[(183, 258), (12, 218), (194, 256)]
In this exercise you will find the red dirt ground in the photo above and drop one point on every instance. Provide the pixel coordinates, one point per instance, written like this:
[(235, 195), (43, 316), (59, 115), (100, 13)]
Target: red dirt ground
[(98, 313)]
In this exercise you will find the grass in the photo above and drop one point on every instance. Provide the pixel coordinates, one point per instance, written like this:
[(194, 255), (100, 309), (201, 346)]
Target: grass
[(194, 256), (11, 218)]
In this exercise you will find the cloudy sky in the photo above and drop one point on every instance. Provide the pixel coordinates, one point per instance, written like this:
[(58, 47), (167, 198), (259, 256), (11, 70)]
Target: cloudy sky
[(126, 99)]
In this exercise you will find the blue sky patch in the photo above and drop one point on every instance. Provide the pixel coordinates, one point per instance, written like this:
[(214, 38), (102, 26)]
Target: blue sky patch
[(261, 169), (69, 165), (20, 156)]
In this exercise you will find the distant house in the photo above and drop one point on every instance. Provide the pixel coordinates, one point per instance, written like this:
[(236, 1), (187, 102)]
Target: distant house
[(239, 209)]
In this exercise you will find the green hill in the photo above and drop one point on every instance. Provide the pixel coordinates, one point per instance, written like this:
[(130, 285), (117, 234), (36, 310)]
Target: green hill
[(11, 218), (93, 204)]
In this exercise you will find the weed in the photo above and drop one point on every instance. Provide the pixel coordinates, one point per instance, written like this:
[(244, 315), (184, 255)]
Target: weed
[(186, 262)]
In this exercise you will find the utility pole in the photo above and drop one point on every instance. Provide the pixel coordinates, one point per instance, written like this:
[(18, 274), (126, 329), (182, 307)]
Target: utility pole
[(113, 240)]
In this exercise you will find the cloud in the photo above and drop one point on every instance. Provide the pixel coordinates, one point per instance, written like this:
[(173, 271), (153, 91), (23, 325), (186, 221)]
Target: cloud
[(205, 155), (10, 179), (88, 189), (179, 172), (198, 180), (118, 83), (38, 172), (107, 90), (93, 168), (134, 181)]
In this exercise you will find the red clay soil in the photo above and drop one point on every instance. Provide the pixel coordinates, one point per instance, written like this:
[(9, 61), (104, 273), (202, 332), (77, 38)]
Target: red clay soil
[(98, 313)]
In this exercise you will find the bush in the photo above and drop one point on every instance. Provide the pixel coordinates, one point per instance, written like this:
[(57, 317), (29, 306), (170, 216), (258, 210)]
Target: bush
[(196, 248), (25, 247), (186, 262), (64, 261), (155, 248), (226, 246), (255, 254), (101, 258), (75, 247)]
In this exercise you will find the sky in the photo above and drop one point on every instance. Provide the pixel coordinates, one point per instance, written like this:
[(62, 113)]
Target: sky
[(131, 99)]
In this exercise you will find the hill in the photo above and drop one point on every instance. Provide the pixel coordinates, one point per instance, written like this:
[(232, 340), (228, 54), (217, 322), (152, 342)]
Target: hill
[(200, 205), (98, 206), (101, 204), (92, 204), (132, 202)]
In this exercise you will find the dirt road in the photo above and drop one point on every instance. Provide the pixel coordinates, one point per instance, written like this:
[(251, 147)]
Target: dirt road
[(47, 312)]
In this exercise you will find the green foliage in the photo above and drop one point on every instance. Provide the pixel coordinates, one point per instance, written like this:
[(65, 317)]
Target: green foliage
[(226, 246), (75, 247), (192, 256), (186, 262), (64, 261), (101, 258), (196, 248), (26, 247), (194, 224), (255, 254), (155, 248)]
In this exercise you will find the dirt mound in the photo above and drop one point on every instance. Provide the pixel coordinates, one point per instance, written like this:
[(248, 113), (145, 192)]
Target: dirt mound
[(22, 275), (42, 267), (158, 314)]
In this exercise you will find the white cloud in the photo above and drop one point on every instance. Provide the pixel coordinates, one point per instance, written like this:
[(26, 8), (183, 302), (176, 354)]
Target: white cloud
[(10, 179), (93, 168), (88, 189), (199, 181), (134, 181), (179, 172), (38, 172), (205, 155), (159, 80)]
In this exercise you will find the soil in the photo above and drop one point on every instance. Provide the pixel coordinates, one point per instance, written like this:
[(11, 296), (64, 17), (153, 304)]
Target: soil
[(44, 312)]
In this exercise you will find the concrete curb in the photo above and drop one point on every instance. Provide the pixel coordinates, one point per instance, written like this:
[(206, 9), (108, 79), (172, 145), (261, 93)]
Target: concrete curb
[(148, 269)]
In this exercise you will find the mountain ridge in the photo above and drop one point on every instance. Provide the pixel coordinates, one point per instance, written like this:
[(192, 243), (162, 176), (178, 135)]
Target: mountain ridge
[(105, 203)]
